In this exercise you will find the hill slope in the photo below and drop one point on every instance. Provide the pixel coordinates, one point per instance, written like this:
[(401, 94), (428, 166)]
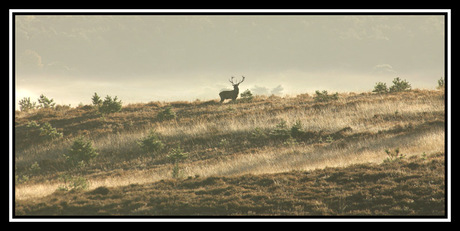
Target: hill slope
[(264, 136), (402, 188)]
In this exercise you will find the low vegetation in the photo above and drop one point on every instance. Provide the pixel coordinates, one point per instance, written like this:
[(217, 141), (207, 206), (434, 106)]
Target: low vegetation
[(81, 152), (398, 86), (405, 188), (325, 97), (340, 154)]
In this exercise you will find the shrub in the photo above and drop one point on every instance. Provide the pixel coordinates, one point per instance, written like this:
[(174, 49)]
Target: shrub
[(258, 136), (441, 84), (81, 152), (72, 183), (32, 124), (325, 97), (62, 108), (151, 143), (246, 96), (47, 131), (25, 104), (21, 179), (97, 101), (45, 102), (224, 143), (166, 114), (281, 131), (380, 88), (34, 168), (394, 156), (296, 129), (290, 142), (109, 105), (176, 155), (400, 85)]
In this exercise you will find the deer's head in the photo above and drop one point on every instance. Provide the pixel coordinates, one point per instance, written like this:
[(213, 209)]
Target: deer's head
[(235, 84)]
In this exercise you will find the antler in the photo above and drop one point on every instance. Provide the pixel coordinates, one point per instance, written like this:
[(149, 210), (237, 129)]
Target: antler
[(242, 80), (231, 80)]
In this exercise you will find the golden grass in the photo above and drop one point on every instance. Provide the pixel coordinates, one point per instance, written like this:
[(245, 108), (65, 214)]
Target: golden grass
[(411, 121), (412, 187), (309, 157)]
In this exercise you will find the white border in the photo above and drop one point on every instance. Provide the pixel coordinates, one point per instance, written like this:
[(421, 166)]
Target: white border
[(230, 219), (10, 119), (370, 11), (449, 115)]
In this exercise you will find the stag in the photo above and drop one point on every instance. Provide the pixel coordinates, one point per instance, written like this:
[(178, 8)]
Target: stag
[(231, 94)]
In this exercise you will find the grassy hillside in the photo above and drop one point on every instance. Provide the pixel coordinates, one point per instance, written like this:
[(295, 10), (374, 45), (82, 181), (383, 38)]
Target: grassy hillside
[(403, 188), (265, 138)]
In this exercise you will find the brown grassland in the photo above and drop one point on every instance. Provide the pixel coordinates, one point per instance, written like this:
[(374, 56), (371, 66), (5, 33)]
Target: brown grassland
[(286, 156)]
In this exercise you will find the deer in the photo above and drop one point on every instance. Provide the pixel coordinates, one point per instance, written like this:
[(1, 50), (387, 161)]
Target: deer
[(231, 94)]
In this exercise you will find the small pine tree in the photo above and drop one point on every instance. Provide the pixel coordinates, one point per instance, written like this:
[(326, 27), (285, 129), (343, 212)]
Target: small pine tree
[(45, 102), (441, 85), (25, 104), (110, 105), (151, 143), (246, 96), (296, 129), (97, 101), (325, 97), (281, 131), (380, 88), (258, 136), (81, 151), (176, 155), (50, 133), (166, 114), (400, 85)]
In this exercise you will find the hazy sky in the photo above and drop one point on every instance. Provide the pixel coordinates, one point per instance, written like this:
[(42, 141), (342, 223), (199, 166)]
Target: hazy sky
[(142, 58)]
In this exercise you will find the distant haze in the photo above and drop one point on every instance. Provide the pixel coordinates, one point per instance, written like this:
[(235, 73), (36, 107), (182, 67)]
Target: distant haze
[(142, 58)]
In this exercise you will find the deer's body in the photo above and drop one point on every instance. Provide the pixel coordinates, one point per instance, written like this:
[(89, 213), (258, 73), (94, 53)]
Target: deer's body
[(231, 94)]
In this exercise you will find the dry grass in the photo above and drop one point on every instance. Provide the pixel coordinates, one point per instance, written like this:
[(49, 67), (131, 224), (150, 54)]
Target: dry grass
[(220, 138), (413, 187)]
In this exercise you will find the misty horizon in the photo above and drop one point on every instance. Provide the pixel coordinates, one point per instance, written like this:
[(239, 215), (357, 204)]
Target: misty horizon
[(143, 58)]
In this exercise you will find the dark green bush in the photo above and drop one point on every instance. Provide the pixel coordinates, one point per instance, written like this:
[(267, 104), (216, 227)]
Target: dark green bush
[(380, 88), (441, 84), (96, 100), (48, 132), (246, 96), (110, 105), (151, 143), (281, 131), (81, 152), (296, 129), (400, 85), (45, 102), (177, 155), (166, 114), (258, 136), (325, 97)]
